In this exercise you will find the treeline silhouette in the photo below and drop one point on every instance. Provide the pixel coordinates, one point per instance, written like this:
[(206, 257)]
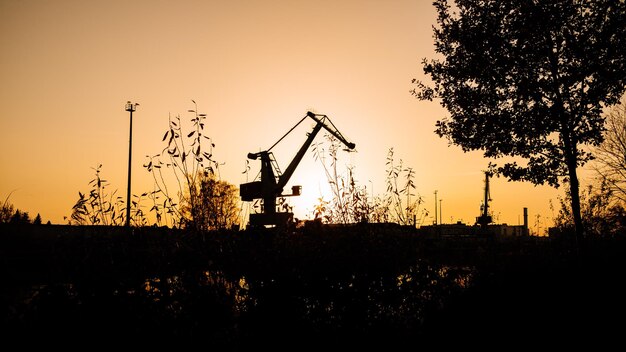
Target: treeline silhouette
[(10, 214), (353, 286)]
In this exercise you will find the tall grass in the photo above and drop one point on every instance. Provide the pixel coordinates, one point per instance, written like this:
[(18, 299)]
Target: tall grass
[(350, 204)]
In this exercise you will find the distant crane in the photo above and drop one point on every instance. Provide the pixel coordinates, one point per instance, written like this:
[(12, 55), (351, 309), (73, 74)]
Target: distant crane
[(272, 182), (485, 219)]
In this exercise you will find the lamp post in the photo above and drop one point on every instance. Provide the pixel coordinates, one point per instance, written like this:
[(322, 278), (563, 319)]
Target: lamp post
[(435, 207), (440, 212), (130, 107)]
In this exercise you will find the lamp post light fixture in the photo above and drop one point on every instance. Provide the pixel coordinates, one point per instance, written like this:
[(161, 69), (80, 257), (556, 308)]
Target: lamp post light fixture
[(130, 107)]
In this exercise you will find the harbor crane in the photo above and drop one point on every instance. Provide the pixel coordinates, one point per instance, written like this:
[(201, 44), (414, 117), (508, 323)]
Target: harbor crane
[(270, 186), (485, 219)]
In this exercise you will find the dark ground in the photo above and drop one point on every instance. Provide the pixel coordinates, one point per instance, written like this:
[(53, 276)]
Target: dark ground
[(362, 287)]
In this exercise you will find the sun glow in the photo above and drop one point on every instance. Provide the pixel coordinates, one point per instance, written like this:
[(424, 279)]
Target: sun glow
[(255, 71), (319, 180), (315, 189)]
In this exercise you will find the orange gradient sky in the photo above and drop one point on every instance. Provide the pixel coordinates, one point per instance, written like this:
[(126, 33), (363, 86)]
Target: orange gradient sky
[(254, 67)]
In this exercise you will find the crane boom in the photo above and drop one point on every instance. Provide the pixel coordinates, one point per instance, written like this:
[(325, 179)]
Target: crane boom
[(284, 178), (272, 183), (298, 157), (333, 130)]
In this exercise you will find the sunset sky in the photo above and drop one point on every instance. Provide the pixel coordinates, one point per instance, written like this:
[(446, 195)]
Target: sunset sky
[(255, 68)]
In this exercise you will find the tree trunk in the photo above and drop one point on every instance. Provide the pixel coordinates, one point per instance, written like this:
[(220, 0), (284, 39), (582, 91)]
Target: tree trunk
[(574, 188), (571, 158)]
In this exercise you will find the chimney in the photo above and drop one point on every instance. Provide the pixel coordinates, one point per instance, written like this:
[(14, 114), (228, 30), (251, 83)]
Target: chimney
[(526, 219)]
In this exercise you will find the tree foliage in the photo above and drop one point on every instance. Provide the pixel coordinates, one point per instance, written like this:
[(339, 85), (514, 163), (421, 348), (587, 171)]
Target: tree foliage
[(602, 211), (6, 210), (20, 217), (9, 214), (217, 204), (528, 80), (611, 154)]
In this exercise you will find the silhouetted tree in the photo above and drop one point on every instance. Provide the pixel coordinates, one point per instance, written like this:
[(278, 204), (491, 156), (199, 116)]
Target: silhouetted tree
[(216, 207), (611, 154), (20, 217), (6, 211), (37, 220), (602, 212), (528, 79)]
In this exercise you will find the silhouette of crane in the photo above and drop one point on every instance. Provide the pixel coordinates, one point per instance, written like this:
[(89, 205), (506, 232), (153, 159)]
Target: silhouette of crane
[(272, 182), (485, 219)]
